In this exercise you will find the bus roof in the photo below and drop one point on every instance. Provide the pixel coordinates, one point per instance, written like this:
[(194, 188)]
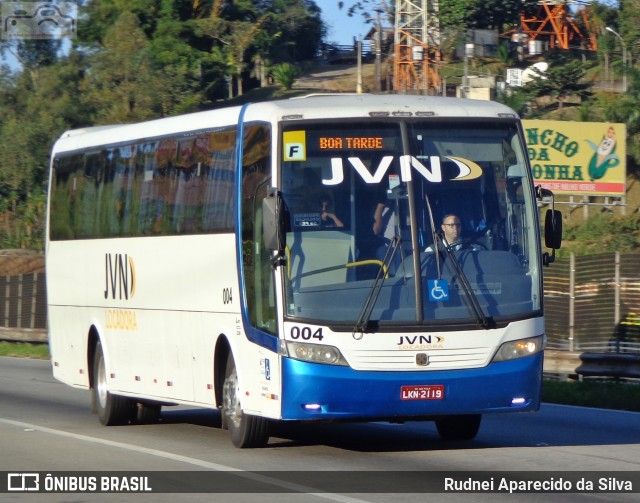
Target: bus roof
[(316, 107)]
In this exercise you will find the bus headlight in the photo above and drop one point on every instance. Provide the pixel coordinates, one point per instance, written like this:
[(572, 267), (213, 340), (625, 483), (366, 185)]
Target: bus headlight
[(314, 353), (518, 349)]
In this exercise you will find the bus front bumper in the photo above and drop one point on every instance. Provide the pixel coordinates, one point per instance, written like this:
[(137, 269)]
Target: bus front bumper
[(325, 392)]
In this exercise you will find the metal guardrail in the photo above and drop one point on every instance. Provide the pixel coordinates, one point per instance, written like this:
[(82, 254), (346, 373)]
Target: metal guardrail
[(609, 365), (24, 335), (561, 362)]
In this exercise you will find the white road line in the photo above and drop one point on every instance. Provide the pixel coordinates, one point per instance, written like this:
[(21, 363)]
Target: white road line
[(188, 460)]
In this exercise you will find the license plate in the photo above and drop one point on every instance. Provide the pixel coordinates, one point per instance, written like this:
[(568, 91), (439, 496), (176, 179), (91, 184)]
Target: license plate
[(422, 392)]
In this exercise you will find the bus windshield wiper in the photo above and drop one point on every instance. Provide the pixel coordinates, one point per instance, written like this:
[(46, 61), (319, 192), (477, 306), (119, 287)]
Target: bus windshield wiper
[(376, 286), (476, 308)]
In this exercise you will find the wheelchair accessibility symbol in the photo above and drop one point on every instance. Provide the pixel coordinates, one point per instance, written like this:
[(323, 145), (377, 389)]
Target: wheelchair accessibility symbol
[(438, 290)]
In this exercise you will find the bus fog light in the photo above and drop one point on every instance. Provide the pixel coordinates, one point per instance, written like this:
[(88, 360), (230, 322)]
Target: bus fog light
[(518, 349), (518, 400), (315, 353)]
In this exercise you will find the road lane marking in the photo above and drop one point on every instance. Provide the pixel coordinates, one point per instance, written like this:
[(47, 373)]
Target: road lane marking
[(188, 460)]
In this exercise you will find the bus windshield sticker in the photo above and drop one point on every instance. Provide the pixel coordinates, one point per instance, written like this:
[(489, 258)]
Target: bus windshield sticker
[(294, 146), (438, 290), (306, 220)]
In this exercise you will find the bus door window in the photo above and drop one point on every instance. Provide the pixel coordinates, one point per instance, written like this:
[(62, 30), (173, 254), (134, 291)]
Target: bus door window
[(258, 273)]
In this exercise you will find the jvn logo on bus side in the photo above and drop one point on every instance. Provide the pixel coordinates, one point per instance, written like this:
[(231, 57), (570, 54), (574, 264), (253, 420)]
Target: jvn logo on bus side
[(468, 170), (119, 276)]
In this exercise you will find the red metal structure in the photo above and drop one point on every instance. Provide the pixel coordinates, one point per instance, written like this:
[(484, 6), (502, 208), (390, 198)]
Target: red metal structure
[(555, 24)]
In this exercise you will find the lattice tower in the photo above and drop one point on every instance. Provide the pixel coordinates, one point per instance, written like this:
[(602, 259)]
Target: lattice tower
[(416, 45)]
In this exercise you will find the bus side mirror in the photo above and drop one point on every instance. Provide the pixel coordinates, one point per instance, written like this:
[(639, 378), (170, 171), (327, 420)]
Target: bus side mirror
[(553, 229), (552, 235), (272, 235)]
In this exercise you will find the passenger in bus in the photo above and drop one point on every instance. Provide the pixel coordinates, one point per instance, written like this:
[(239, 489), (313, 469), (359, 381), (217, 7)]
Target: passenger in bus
[(385, 226), (328, 218), (452, 235), (384, 221)]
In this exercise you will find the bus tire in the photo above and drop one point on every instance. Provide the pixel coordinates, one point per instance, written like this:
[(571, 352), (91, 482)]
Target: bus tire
[(112, 409), (245, 430), (463, 427)]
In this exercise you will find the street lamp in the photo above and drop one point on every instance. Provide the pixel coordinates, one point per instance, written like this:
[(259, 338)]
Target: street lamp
[(624, 58)]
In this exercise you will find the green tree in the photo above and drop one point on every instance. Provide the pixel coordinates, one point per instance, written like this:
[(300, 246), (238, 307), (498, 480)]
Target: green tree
[(36, 54), (295, 31), (176, 56), (629, 26), (626, 108), (516, 99), (33, 117), (285, 74), (500, 14), (277, 31), (603, 233), (99, 16), (176, 60), (121, 86), (562, 79)]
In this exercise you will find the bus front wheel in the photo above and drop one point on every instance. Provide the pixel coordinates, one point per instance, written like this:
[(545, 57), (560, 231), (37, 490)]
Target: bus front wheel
[(112, 409), (464, 427), (245, 430)]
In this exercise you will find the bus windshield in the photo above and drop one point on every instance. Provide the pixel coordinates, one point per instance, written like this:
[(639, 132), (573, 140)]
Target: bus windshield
[(368, 203)]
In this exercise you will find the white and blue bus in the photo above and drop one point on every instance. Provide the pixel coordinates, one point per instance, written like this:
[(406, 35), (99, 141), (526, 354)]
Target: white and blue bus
[(228, 259)]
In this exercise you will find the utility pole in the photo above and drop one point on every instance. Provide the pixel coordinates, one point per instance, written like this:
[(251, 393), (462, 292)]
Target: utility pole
[(359, 60), (624, 58), (378, 50)]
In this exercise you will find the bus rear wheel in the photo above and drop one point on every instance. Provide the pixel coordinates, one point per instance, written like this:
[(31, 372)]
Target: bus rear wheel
[(463, 427), (245, 430), (112, 409)]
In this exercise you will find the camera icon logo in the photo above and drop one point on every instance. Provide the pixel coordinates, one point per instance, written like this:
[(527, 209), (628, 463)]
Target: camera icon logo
[(39, 20), (23, 482)]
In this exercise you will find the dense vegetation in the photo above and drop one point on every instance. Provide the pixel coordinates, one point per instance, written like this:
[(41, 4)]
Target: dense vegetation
[(140, 59)]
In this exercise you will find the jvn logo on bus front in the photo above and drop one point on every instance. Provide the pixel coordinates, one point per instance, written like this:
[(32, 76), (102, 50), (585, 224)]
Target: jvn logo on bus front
[(119, 277), (421, 342), (468, 170)]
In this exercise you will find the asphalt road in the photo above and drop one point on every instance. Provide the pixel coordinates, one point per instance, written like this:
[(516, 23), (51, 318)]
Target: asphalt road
[(48, 427)]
